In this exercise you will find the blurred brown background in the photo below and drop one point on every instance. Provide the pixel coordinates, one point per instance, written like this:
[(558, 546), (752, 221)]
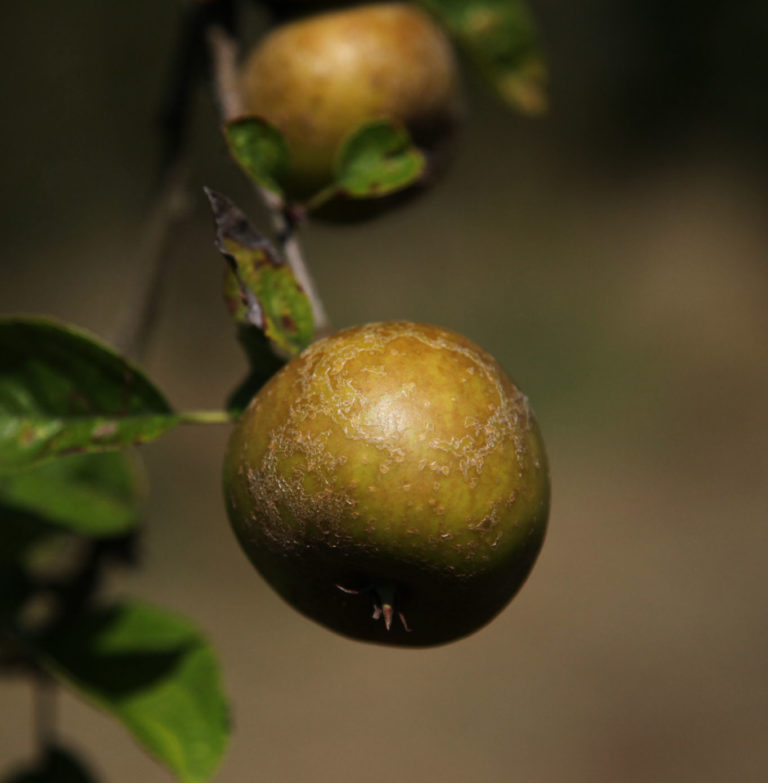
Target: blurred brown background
[(612, 255)]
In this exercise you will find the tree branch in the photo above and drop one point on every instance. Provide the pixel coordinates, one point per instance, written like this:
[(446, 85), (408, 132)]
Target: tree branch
[(170, 206)]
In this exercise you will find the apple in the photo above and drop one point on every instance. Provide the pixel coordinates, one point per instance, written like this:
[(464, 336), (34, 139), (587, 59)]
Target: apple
[(390, 472), (322, 77)]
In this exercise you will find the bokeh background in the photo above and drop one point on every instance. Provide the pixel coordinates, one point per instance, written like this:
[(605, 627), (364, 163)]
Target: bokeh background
[(612, 255)]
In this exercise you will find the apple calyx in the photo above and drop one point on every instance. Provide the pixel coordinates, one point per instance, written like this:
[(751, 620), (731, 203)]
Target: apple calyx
[(384, 601)]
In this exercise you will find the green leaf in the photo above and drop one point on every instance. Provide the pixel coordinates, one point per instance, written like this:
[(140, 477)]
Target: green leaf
[(261, 290), (501, 38), (259, 149), (62, 391), (378, 159), (153, 671), (96, 495), (58, 766)]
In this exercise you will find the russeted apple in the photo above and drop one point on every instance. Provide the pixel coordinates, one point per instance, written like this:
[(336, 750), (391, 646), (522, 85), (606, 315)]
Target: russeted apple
[(390, 483), (319, 79)]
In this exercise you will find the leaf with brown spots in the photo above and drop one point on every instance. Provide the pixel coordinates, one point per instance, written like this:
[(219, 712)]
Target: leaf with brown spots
[(259, 149), (261, 290), (62, 391), (378, 159)]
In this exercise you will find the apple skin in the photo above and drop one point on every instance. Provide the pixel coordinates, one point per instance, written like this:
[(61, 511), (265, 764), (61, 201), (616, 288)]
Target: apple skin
[(320, 78), (394, 455)]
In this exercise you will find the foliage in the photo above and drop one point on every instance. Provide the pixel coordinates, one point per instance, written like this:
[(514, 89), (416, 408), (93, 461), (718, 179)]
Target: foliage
[(62, 391), (261, 290), (501, 39), (375, 161), (64, 399), (154, 672)]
